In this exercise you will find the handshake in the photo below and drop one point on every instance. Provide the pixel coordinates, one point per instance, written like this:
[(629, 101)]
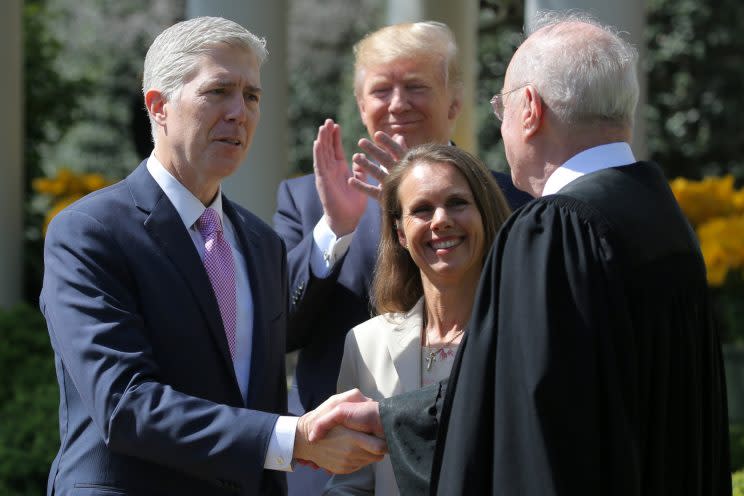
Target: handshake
[(342, 435)]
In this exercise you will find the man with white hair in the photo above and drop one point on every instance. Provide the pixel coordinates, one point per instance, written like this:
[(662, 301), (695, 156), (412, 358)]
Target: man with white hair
[(591, 364), (166, 302)]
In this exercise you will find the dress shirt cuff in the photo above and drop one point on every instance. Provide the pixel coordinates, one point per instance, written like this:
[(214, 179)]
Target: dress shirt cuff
[(327, 249), (281, 445)]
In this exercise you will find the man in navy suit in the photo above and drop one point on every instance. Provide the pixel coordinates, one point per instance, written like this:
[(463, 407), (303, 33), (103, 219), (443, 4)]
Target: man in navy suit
[(408, 89), (172, 376)]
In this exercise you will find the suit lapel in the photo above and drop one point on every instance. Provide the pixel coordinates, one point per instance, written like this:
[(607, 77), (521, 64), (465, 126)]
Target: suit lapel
[(405, 348), (248, 240), (165, 226)]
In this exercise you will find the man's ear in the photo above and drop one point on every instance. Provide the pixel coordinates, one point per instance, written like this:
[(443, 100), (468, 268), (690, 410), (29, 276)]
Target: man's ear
[(362, 112), (455, 106), (532, 112), (155, 103)]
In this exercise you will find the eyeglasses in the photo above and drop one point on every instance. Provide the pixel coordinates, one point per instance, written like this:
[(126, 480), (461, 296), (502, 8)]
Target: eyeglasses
[(497, 102)]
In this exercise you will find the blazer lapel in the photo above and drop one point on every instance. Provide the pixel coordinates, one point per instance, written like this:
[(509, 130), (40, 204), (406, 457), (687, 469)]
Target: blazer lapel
[(405, 348), (166, 228)]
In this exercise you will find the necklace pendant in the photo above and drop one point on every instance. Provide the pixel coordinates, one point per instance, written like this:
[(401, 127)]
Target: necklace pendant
[(430, 360)]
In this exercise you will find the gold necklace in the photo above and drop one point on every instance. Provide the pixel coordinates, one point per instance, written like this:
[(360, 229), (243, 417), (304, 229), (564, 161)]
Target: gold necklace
[(431, 357)]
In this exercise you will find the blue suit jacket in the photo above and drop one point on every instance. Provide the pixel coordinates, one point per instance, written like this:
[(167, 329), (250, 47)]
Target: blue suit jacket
[(149, 400), (323, 310)]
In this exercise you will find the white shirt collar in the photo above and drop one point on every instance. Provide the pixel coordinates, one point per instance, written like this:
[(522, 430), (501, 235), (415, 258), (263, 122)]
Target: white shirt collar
[(188, 206), (590, 160)]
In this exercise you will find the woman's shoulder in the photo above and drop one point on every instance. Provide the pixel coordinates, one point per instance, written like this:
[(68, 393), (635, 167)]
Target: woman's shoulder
[(383, 323), (378, 328)]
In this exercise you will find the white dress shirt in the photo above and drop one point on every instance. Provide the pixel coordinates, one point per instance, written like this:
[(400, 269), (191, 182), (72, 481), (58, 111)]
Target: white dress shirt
[(590, 160), (189, 208), (327, 249)]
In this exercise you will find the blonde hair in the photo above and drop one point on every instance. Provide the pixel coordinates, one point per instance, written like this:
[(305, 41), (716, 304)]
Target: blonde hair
[(426, 39)]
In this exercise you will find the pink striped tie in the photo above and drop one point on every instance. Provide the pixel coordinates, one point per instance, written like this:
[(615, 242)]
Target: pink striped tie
[(218, 261)]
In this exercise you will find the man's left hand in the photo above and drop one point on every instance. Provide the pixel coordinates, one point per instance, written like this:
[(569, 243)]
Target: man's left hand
[(385, 152)]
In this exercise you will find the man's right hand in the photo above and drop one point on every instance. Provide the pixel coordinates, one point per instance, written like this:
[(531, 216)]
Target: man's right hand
[(343, 205), (340, 449)]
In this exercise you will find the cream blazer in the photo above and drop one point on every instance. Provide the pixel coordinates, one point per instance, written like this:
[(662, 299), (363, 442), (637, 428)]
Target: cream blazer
[(382, 357)]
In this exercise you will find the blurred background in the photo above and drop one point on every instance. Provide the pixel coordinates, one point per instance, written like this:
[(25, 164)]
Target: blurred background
[(74, 121)]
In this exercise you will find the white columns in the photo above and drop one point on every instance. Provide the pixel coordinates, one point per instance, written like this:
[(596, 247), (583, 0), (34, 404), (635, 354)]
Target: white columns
[(462, 19), (627, 16), (254, 184), (11, 143)]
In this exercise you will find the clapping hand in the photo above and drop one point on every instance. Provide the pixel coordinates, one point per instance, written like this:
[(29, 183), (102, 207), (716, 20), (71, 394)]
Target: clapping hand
[(343, 205), (385, 152)]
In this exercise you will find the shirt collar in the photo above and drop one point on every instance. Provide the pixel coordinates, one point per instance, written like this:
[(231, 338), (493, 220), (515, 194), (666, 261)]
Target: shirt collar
[(591, 160), (188, 206)]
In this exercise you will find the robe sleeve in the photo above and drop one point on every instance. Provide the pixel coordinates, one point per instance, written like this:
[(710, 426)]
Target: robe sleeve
[(410, 422)]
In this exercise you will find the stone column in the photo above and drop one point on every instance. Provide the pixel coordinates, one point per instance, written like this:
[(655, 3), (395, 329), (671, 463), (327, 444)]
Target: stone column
[(11, 143), (627, 16), (462, 18), (254, 184)]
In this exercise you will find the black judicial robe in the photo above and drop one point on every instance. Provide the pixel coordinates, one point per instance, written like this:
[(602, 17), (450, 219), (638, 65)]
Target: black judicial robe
[(590, 365)]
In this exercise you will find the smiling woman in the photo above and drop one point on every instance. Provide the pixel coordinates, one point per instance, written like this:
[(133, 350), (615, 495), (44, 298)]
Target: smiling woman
[(441, 211), (440, 225)]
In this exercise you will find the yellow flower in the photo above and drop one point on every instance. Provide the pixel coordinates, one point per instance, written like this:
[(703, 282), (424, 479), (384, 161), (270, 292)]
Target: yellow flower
[(44, 186), (722, 243), (66, 187), (93, 182), (706, 199), (738, 201), (66, 183)]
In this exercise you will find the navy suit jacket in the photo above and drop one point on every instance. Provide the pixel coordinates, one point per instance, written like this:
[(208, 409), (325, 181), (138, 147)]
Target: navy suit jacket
[(323, 310), (149, 400)]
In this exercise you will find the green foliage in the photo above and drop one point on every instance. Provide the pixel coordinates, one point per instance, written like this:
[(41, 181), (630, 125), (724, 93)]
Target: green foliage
[(51, 108), (29, 401), (736, 441), (105, 42), (51, 99), (321, 77), (737, 483), (729, 309), (315, 98), (500, 33), (693, 63)]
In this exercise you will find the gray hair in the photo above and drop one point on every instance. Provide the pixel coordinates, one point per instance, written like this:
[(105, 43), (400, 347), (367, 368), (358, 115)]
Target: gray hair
[(583, 76), (174, 55)]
